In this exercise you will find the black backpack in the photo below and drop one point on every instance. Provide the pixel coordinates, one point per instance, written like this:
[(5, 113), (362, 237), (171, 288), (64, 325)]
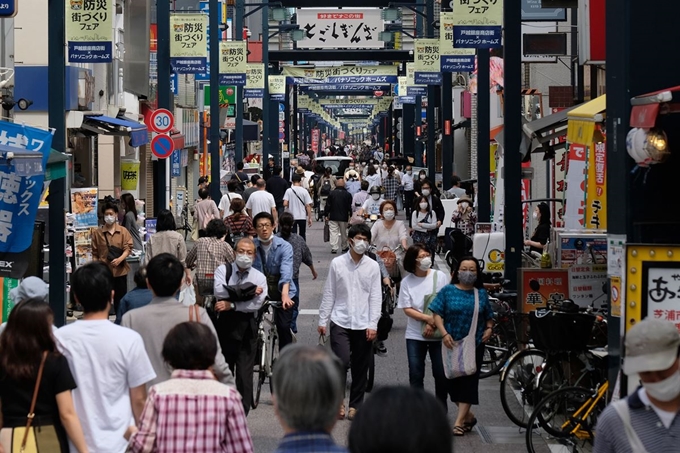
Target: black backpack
[(325, 187)]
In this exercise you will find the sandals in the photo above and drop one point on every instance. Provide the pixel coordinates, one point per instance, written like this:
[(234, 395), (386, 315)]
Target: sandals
[(459, 431), (468, 426)]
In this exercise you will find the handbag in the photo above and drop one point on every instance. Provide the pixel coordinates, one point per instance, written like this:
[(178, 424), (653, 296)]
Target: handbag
[(114, 252), (29, 441), (461, 360), (426, 309), (326, 232)]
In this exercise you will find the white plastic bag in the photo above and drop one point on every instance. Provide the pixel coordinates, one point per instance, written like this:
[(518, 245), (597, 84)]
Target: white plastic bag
[(187, 296)]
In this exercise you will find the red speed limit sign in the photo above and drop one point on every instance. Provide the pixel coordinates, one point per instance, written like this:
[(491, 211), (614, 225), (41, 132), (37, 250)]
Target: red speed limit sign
[(162, 121)]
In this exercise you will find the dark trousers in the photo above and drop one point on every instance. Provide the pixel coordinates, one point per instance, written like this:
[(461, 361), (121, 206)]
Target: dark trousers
[(417, 351), (408, 205), (120, 288), (300, 227), (283, 320), (354, 351), (296, 307), (240, 356)]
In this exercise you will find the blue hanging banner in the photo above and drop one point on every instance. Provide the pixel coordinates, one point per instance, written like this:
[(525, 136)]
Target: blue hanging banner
[(458, 63), (175, 169), (21, 185), (477, 37)]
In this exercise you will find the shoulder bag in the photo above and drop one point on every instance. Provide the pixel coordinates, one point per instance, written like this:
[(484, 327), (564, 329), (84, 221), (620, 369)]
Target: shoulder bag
[(114, 252), (426, 309), (273, 292), (461, 359), (634, 441), (304, 206)]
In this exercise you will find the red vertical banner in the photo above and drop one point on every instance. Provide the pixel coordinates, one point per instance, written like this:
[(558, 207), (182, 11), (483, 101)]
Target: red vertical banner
[(315, 141), (526, 195), (447, 127)]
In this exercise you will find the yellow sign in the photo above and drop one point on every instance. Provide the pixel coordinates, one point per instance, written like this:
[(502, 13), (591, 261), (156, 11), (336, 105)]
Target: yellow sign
[(403, 83), (303, 103), (277, 84), (426, 55), (129, 175), (478, 12), (596, 187), (233, 57), (341, 71), (447, 21), (188, 35), (615, 296), (255, 75), (89, 30)]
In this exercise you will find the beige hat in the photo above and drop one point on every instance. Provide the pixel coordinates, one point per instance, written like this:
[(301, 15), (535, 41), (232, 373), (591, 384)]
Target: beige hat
[(300, 171), (651, 345)]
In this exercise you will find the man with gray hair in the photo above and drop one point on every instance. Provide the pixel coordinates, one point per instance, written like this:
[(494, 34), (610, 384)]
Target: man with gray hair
[(308, 390)]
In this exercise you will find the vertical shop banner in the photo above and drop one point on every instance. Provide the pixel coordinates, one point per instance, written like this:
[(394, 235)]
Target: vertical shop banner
[(596, 187), (526, 195), (346, 28), (89, 30), (176, 168), (233, 62), (188, 48), (315, 141), (129, 175), (452, 59), (7, 284), (277, 87), (559, 189), (254, 81), (478, 24), (84, 204), (426, 62), (574, 214)]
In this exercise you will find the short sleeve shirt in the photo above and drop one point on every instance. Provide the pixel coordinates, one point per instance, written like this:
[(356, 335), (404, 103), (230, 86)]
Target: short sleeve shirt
[(298, 199), (456, 307)]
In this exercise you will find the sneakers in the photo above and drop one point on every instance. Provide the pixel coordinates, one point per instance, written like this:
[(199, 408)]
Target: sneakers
[(351, 414), (381, 349), (334, 252)]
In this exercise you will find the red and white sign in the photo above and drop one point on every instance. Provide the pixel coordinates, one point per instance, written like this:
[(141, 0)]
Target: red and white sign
[(315, 140), (161, 121), (574, 216), (162, 146), (592, 31)]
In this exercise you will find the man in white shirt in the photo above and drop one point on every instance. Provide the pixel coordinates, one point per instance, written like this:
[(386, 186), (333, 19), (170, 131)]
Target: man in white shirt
[(297, 201), (262, 201), (360, 197), (225, 201), (235, 323), (352, 299), (108, 362), (372, 205)]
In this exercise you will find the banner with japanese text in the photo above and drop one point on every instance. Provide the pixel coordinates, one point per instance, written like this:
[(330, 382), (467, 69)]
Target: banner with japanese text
[(7, 284), (452, 59), (574, 209), (233, 63), (277, 87), (254, 81), (188, 43), (477, 25), (89, 30), (21, 185), (426, 62), (596, 187), (346, 28)]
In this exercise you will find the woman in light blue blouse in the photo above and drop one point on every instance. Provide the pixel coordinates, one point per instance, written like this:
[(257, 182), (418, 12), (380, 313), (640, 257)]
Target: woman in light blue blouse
[(453, 310)]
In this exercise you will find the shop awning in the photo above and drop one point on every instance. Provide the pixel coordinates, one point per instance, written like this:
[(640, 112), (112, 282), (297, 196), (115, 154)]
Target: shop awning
[(582, 120), (646, 107), (107, 125), (549, 127)]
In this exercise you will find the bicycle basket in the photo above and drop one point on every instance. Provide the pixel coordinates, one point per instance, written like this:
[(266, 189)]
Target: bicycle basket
[(558, 331)]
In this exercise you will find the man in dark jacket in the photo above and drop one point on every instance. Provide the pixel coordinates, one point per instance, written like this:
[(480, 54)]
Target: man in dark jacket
[(277, 186), (338, 212), (268, 170), (241, 177)]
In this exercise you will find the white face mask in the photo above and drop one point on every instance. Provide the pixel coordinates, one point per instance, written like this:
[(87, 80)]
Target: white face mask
[(422, 176), (425, 263), (423, 205), (535, 215), (409, 172), (243, 261), (109, 219), (384, 167), (265, 239), (665, 390), (360, 246), (465, 204), (375, 196), (426, 192), (388, 214)]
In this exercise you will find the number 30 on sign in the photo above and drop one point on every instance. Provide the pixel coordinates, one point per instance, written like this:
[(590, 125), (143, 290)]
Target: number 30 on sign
[(162, 121)]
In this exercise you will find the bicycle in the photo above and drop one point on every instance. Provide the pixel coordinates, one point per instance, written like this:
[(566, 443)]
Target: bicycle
[(567, 417), (507, 333), (184, 221), (267, 349)]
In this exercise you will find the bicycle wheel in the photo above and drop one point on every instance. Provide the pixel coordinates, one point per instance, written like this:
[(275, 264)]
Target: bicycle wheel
[(552, 375), (261, 373), (371, 370), (517, 385), (496, 352), (554, 425), (274, 354)]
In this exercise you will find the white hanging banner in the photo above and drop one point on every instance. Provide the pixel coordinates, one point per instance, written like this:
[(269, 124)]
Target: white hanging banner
[(346, 28)]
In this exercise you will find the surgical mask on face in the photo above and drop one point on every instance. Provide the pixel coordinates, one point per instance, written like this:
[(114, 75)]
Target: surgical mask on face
[(422, 176), (409, 172), (376, 166), (535, 215), (243, 261), (423, 205), (109, 219), (388, 214), (384, 167), (425, 263), (375, 196), (360, 246), (265, 238), (665, 390), (426, 192), (467, 277), (465, 204)]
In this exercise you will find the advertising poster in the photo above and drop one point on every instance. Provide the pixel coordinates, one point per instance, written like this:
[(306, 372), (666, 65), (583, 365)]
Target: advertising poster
[(89, 30), (452, 59), (477, 25), (84, 207), (188, 43), (596, 187), (426, 62), (82, 240), (575, 199), (233, 63), (254, 81), (277, 87), (129, 175), (7, 284), (150, 226), (554, 285), (586, 283)]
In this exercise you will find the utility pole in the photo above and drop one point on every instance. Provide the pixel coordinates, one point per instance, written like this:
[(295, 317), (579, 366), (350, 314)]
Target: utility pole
[(483, 127), (214, 147), (238, 36), (163, 97)]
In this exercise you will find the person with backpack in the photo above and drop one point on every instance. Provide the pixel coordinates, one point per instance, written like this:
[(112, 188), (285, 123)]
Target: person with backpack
[(239, 225), (297, 201), (326, 185)]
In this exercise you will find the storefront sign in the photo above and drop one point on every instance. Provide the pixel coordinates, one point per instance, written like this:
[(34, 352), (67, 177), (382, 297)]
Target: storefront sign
[(596, 184), (315, 140), (84, 206), (254, 81), (89, 30), (175, 169), (233, 62), (661, 288), (277, 88), (426, 61), (554, 285), (586, 282), (188, 48), (574, 217), (129, 175), (559, 185), (347, 28)]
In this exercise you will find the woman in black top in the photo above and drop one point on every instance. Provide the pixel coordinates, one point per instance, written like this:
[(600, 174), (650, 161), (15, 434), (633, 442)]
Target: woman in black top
[(27, 336), (542, 231), (130, 220)]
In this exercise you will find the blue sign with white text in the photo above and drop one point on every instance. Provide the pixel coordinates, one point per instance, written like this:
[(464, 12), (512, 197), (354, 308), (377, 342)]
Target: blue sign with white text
[(90, 52), (458, 63), (232, 79), (477, 37), (174, 84), (427, 78), (407, 99), (188, 65), (8, 8), (176, 170), (253, 93), (416, 91)]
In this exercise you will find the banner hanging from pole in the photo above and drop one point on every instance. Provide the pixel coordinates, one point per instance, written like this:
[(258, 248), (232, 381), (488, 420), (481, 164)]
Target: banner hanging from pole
[(188, 43), (233, 62), (89, 30), (254, 81), (426, 62)]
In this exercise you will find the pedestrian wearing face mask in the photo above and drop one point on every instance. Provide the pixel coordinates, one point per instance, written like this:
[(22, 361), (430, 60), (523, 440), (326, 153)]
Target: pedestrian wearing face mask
[(454, 311), (407, 183), (419, 181), (373, 178), (430, 192), (542, 232), (372, 204), (647, 420), (464, 218), (112, 244), (424, 221), (390, 233), (352, 299), (391, 185)]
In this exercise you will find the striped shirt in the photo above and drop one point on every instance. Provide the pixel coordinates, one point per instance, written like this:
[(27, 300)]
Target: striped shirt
[(610, 434), (192, 412), (241, 224)]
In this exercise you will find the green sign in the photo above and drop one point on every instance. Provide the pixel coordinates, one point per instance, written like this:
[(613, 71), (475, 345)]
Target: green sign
[(227, 95), (231, 110)]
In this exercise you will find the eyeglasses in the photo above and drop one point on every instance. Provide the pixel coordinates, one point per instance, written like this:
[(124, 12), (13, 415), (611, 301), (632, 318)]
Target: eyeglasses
[(262, 226)]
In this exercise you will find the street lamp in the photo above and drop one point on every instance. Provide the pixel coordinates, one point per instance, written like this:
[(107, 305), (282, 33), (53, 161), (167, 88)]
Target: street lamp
[(280, 14), (390, 14)]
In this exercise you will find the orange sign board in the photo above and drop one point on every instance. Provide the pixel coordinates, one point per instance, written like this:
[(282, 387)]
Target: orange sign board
[(554, 285)]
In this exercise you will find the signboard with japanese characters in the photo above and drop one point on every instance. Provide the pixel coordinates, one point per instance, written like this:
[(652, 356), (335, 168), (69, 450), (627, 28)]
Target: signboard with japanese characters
[(477, 24), (188, 43), (89, 30), (21, 185), (342, 74), (254, 81), (596, 187), (554, 285), (346, 28), (661, 291), (233, 63), (586, 283), (277, 87), (574, 215), (426, 62), (452, 59)]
